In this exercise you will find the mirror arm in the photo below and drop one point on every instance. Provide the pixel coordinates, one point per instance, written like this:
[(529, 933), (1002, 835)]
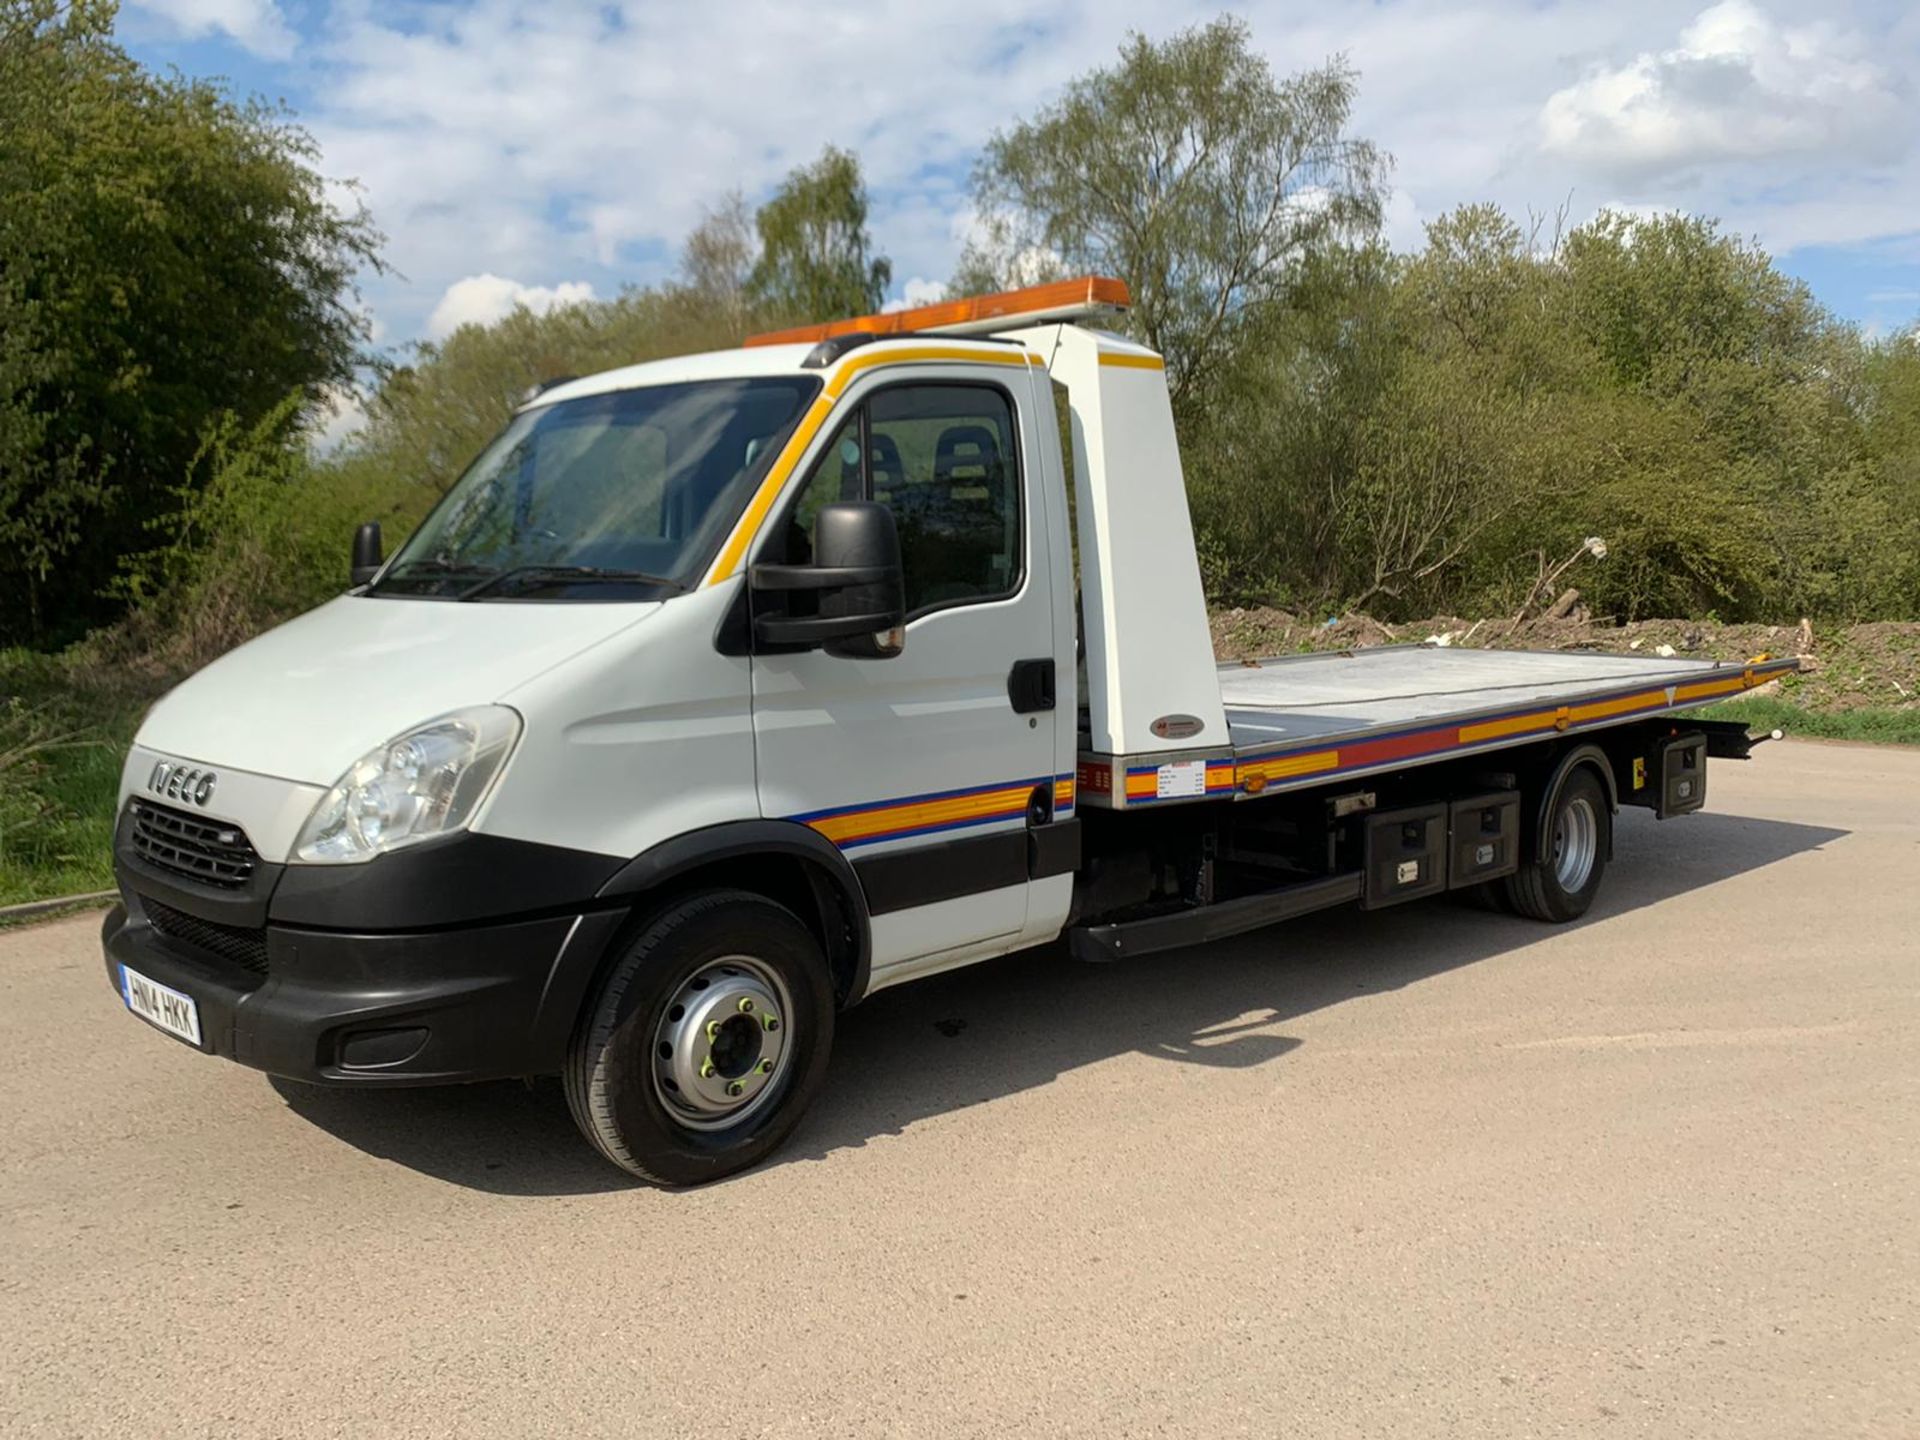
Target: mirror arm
[(815, 630), (817, 577)]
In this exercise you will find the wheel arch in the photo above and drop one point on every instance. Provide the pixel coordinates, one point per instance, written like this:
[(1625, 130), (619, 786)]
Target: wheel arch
[(1584, 756), (782, 860)]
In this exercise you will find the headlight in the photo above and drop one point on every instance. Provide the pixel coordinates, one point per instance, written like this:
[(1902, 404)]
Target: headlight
[(422, 784)]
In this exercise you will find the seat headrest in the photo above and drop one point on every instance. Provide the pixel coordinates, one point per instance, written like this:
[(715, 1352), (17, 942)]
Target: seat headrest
[(888, 468), (966, 447)]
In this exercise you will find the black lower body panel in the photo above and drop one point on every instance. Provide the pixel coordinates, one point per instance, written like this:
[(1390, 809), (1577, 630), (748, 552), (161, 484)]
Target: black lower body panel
[(474, 1003)]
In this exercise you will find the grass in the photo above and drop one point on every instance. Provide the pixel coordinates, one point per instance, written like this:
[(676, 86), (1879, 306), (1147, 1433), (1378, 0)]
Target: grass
[(56, 825), (1880, 726), (61, 745)]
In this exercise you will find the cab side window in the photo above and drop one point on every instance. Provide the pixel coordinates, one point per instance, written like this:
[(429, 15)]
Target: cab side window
[(945, 459)]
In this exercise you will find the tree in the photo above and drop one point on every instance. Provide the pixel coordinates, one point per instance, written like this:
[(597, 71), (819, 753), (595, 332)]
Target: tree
[(717, 262), (1412, 433), (166, 254), (816, 257), (429, 418), (1190, 173)]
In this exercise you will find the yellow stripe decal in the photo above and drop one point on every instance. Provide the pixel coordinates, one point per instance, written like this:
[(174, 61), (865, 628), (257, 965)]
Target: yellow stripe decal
[(1601, 709), (727, 564), (1513, 725), (1311, 764), (1134, 362), (883, 820), (1714, 687), (769, 491)]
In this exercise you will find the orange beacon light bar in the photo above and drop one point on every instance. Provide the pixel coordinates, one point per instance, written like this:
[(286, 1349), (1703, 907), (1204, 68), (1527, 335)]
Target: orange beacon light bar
[(977, 314)]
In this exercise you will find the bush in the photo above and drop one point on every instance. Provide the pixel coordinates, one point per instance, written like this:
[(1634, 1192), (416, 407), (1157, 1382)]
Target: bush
[(1410, 433), (57, 779), (259, 532)]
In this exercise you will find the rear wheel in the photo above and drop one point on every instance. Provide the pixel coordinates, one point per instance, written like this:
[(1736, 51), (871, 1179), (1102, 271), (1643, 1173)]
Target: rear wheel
[(1561, 886), (706, 1042)]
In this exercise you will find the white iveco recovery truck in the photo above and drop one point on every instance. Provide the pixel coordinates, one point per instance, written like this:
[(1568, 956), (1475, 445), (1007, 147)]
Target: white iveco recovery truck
[(725, 691)]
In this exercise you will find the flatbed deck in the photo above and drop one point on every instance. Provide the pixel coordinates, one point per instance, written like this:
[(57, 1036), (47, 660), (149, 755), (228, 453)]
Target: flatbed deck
[(1300, 720)]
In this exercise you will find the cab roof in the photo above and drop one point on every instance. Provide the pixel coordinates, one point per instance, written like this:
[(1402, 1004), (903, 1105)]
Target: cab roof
[(969, 320), (741, 364)]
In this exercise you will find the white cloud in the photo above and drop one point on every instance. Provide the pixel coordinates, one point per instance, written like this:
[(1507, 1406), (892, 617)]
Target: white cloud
[(254, 25), (499, 139), (917, 291), (1402, 222), (483, 299), (340, 417), (1738, 87)]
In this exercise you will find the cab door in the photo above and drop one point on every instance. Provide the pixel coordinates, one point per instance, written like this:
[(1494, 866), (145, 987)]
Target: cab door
[(929, 768)]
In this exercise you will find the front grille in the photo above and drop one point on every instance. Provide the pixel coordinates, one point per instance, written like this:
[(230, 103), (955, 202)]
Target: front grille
[(235, 943), (210, 851)]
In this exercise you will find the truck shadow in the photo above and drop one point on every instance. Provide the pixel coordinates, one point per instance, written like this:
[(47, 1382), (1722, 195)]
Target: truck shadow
[(1013, 1024)]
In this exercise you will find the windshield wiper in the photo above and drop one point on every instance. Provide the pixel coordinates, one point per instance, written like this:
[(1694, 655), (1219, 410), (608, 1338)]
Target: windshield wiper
[(429, 565), (567, 574)]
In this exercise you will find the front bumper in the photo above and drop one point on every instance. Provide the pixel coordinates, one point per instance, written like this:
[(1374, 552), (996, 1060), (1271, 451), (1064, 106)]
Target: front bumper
[(471, 1003)]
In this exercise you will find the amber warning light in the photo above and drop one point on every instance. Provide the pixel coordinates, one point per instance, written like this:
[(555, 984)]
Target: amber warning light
[(1061, 300)]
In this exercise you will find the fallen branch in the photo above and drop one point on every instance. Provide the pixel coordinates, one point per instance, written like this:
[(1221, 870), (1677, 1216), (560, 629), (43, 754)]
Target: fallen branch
[(1593, 545)]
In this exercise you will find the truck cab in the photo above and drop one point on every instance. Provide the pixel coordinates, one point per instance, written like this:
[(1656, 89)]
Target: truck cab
[(722, 692)]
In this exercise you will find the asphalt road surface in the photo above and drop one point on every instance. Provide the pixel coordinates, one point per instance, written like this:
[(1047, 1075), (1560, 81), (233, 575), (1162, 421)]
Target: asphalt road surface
[(1428, 1172)]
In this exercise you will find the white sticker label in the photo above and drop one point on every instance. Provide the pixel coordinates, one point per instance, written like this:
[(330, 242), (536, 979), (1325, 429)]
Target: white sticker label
[(1409, 871), (1181, 778)]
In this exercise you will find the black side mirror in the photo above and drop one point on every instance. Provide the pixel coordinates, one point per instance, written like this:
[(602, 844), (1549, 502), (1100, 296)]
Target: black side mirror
[(366, 553), (857, 573)]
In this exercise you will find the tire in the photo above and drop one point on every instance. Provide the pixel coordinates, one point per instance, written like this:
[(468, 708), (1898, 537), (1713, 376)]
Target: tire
[(1561, 887), (665, 1073)]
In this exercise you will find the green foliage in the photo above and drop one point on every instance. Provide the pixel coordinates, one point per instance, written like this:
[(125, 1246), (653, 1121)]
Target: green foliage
[(166, 253), (716, 265), (61, 743), (430, 418), (256, 532), (1435, 432), (816, 257), (1415, 433), (1187, 170)]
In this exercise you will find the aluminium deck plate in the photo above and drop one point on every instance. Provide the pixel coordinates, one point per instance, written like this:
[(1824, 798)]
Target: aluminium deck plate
[(1303, 720)]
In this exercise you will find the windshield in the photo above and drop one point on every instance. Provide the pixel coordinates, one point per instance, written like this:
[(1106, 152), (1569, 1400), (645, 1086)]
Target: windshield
[(621, 496)]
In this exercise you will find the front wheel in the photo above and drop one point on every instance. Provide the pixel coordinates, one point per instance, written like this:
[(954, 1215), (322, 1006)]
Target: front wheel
[(706, 1042), (1562, 886)]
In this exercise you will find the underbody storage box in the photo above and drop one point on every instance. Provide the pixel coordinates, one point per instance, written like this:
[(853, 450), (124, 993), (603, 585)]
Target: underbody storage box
[(1670, 776), (1680, 770), (1484, 838), (1406, 855)]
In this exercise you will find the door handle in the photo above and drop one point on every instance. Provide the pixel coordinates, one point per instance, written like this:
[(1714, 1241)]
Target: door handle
[(1030, 685)]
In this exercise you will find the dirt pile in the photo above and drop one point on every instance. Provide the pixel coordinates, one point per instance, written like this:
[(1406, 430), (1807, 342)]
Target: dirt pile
[(1847, 667)]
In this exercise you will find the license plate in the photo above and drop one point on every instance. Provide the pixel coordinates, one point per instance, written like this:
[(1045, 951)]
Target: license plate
[(161, 1005)]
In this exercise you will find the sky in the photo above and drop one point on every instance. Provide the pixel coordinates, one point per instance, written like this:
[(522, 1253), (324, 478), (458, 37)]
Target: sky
[(544, 154)]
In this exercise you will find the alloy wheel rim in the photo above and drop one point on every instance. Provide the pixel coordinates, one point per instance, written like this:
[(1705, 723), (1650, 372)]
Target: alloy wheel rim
[(1576, 844)]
